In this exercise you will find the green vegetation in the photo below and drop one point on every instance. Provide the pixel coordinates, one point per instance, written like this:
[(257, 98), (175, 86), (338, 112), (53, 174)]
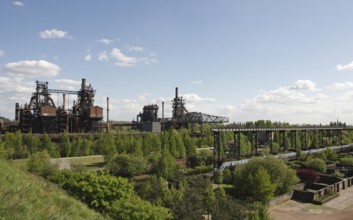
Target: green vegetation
[(346, 161), (317, 164), (156, 164), (127, 166), (264, 176), (109, 195), (24, 196), (39, 163)]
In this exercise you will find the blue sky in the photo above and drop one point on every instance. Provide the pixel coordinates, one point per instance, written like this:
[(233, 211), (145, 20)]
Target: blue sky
[(279, 60)]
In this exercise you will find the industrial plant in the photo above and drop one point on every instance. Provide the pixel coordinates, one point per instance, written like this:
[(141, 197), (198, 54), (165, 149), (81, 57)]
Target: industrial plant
[(41, 115)]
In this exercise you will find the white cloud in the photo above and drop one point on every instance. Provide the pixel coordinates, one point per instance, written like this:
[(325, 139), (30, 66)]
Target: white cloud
[(54, 33), (88, 57), (191, 97), (198, 82), (18, 3), (103, 56), (138, 49), (293, 94), (13, 86), (2, 53), (149, 60), (32, 68), (341, 86), (68, 84), (345, 97), (105, 41), (345, 67), (122, 59), (303, 85)]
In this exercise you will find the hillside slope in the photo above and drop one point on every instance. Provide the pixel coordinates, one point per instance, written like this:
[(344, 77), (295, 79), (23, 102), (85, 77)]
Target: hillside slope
[(24, 196)]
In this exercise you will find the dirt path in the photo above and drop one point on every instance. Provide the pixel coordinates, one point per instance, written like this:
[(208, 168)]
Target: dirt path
[(340, 208)]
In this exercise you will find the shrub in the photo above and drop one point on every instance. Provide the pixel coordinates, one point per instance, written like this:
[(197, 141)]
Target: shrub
[(127, 165), (346, 161), (39, 163), (316, 164)]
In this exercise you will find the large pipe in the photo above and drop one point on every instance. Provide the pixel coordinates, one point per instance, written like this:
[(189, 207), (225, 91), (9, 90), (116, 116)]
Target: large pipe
[(107, 129)]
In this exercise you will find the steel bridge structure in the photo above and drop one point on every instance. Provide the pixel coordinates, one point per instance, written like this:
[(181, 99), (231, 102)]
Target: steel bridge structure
[(326, 136)]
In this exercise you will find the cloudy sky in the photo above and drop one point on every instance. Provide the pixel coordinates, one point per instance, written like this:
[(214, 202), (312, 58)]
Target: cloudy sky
[(280, 60)]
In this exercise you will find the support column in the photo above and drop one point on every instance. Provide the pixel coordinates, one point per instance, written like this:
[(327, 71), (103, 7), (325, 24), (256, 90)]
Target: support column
[(304, 140), (237, 144), (293, 139), (217, 149)]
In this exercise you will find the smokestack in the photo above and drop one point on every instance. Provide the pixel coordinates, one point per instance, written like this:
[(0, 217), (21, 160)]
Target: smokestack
[(162, 115), (64, 101), (176, 93), (17, 111), (107, 114), (83, 85)]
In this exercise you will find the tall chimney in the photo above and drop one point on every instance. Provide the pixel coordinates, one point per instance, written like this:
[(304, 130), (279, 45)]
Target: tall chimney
[(83, 85), (162, 115), (17, 106), (176, 93), (107, 114), (64, 101)]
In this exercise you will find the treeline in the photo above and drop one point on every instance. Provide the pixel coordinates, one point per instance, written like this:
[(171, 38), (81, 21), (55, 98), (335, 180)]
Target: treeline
[(180, 144)]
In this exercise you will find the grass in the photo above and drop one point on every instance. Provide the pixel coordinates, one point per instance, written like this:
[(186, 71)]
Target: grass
[(25, 196)]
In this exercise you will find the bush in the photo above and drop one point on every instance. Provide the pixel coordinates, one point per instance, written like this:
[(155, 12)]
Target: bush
[(282, 176), (316, 164), (127, 165), (39, 163), (218, 178), (346, 161), (110, 195)]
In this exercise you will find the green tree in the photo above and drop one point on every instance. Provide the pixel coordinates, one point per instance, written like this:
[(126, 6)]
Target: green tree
[(218, 178), (106, 146), (137, 147), (32, 142), (46, 144), (190, 147), (2, 150), (227, 176), (208, 200), (40, 164), (282, 176), (263, 187), (76, 145), (166, 167), (65, 145), (127, 165), (87, 146), (134, 208)]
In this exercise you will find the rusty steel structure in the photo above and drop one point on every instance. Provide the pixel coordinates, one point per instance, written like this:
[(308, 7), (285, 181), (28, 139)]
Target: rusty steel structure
[(180, 116), (42, 116)]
